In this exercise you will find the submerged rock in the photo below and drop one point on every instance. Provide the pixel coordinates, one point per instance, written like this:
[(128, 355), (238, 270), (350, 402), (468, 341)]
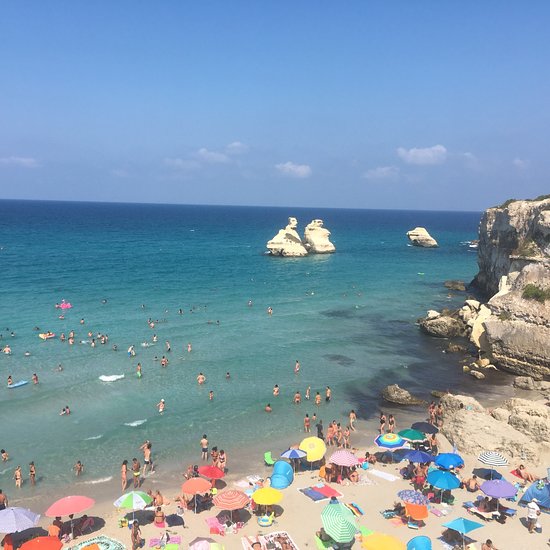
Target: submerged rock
[(455, 285), (419, 236)]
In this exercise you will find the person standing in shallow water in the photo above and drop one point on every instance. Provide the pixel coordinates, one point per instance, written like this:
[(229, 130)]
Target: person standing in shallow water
[(382, 422), (204, 447), (32, 473)]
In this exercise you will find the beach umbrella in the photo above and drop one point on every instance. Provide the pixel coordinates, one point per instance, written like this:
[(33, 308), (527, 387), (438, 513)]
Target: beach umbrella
[(42, 543), (293, 454), (425, 427), (418, 456), (414, 436), (343, 457), (134, 500), (413, 497), (232, 499), (14, 519), (462, 526), (389, 441), (203, 543), (211, 472), (381, 541), (314, 448), (499, 488), (68, 506), (443, 479), (449, 460), (416, 512), (339, 522), (195, 486), (267, 496), (492, 458), (419, 543)]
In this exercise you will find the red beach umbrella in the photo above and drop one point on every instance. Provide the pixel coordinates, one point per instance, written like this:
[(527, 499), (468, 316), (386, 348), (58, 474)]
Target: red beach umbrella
[(195, 486), (42, 543), (68, 506), (211, 472)]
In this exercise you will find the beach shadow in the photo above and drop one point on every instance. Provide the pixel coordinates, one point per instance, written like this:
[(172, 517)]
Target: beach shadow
[(28, 534), (144, 517), (220, 484), (487, 473)]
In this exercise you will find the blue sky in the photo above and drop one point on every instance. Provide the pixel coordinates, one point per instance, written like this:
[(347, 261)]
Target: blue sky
[(420, 105)]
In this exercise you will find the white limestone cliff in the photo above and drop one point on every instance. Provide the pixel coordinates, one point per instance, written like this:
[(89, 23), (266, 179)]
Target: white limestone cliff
[(287, 242)]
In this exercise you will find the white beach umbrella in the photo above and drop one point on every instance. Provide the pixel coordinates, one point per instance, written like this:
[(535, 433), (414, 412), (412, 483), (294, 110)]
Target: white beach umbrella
[(492, 458)]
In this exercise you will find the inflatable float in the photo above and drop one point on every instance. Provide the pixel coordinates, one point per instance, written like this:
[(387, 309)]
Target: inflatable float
[(46, 335), (111, 377), (64, 305), (17, 384)]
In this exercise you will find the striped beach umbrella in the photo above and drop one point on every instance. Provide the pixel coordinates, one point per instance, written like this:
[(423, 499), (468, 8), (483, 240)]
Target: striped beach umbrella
[(232, 499), (344, 457), (134, 500), (293, 453), (339, 522), (492, 458)]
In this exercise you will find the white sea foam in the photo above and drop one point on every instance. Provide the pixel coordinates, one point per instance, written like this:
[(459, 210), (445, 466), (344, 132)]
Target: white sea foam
[(93, 437), (136, 423), (100, 480)]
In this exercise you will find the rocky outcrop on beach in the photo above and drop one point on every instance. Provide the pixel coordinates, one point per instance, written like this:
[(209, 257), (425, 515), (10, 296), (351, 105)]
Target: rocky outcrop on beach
[(443, 326), (395, 394), (288, 243), (316, 238), (419, 236), (519, 429)]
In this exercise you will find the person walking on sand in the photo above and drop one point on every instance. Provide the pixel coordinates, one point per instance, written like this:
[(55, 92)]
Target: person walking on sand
[(204, 447), (533, 513), (382, 422), (124, 475)]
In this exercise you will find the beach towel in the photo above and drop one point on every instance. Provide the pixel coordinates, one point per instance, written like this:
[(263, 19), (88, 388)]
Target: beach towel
[(327, 491), (396, 522), (314, 495), (104, 543), (156, 541), (447, 546), (281, 536), (383, 475), (437, 513), (517, 474), (355, 508)]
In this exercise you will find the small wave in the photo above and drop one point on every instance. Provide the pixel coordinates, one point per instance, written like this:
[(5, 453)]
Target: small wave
[(4, 471), (136, 423), (96, 481), (93, 437)]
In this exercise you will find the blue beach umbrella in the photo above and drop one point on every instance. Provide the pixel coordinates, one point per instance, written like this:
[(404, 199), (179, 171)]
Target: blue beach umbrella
[(293, 453), (462, 526), (443, 479), (449, 460), (419, 543), (418, 456)]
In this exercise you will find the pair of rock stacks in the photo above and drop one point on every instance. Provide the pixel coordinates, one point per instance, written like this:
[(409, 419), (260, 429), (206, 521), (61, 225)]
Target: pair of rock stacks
[(288, 243)]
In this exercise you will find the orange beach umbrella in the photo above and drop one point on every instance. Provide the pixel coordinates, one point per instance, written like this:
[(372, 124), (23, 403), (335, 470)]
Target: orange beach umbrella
[(195, 486), (42, 543)]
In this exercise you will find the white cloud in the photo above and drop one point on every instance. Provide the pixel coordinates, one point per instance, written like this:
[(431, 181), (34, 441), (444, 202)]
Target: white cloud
[(428, 155), (521, 164), (236, 148), (382, 173), (211, 157), (294, 170), (24, 162), (181, 164)]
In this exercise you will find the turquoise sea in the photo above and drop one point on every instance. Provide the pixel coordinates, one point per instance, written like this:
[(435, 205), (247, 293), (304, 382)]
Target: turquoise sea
[(349, 318)]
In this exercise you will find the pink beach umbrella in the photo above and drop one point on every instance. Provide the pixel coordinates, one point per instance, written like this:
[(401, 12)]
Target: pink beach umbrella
[(344, 457), (68, 506)]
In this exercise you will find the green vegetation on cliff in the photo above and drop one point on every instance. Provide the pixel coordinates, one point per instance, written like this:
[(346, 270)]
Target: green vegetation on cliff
[(533, 292)]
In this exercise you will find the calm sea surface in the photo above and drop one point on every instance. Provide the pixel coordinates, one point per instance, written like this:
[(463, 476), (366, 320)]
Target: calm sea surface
[(349, 318)]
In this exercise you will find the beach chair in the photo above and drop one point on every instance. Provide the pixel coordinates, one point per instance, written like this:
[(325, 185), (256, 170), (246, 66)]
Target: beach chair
[(268, 459)]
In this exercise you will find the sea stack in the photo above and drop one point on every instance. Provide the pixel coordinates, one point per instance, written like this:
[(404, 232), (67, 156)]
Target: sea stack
[(316, 238), (420, 237), (287, 242)]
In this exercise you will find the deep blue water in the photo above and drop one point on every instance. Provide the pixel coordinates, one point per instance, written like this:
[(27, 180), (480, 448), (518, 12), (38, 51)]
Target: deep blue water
[(348, 317)]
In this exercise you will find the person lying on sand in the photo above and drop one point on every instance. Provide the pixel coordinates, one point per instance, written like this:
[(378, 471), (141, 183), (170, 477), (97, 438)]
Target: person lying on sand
[(525, 475)]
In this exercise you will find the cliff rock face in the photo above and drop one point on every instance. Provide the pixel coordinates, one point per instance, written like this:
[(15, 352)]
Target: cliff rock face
[(316, 238), (514, 252), (419, 236)]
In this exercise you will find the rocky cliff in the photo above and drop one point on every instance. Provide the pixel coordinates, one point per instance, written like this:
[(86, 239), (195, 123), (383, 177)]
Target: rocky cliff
[(512, 330), (288, 243)]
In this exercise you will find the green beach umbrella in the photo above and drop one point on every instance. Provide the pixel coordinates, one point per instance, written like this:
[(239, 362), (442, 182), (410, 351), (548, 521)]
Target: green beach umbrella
[(134, 500), (412, 435), (339, 522)]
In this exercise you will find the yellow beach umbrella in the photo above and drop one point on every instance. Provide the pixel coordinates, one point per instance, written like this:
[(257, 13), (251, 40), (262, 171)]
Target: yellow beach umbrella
[(267, 496), (380, 541), (314, 447)]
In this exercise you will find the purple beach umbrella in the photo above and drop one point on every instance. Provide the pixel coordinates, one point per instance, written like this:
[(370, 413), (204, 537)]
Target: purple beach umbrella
[(498, 488)]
